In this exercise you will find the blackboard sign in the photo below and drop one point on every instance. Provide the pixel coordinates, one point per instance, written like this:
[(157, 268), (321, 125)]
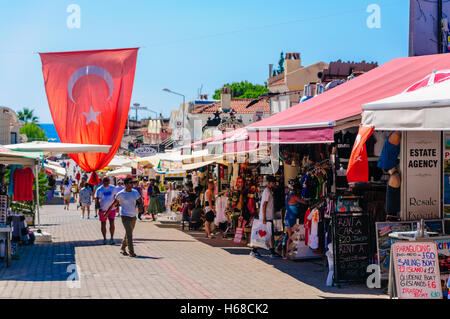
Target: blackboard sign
[(351, 247)]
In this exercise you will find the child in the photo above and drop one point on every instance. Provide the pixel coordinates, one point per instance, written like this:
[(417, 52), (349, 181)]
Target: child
[(85, 199)]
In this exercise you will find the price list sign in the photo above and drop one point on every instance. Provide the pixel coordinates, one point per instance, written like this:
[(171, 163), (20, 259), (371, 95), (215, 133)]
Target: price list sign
[(416, 269), (351, 242)]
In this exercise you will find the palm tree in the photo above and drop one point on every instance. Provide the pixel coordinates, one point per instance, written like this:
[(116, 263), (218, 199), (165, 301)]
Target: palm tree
[(27, 115)]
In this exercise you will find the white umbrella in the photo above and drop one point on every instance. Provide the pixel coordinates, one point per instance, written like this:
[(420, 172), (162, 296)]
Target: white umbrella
[(119, 161), (58, 170), (427, 108), (120, 171), (58, 148)]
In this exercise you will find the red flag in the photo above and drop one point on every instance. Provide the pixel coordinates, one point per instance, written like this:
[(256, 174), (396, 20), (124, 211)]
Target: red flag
[(89, 94), (358, 166)]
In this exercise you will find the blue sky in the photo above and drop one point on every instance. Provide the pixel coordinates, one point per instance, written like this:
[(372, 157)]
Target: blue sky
[(187, 44)]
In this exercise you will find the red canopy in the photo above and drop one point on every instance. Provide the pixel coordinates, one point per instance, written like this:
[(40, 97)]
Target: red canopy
[(321, 112)]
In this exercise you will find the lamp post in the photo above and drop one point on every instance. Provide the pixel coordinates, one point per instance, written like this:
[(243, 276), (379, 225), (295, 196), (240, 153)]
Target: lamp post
[(184, 102)]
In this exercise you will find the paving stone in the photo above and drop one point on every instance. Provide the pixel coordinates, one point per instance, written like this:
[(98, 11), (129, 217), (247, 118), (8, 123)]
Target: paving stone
[(171, 264)]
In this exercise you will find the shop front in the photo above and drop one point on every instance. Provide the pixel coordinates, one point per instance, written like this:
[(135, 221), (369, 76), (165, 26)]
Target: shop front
[(421, 115)]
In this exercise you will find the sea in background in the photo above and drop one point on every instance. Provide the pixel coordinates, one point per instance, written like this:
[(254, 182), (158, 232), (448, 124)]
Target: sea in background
[(50, 132)]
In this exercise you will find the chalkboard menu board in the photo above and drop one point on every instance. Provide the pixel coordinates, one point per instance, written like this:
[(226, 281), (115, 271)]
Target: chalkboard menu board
[(416, 269), (351, 246)]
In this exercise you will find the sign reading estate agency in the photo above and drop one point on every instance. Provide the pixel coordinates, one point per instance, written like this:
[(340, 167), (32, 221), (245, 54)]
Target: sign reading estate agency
[(423, 175)]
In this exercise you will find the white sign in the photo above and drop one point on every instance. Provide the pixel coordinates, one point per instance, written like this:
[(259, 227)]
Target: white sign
[(423, 175), (416, 268), (144, 151)]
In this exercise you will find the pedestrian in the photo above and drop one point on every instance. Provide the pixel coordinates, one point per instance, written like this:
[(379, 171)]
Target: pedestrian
[(266, 214), (295, 208), (75, 191), (154, 206), (78, 177), (127, 200), (104, 197), (85, 199), (210, 209), (145, 197), (97, 205), (120, 185), (66, 189)]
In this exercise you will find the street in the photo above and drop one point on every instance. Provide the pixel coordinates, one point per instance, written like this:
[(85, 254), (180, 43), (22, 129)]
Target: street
[(171, 264)]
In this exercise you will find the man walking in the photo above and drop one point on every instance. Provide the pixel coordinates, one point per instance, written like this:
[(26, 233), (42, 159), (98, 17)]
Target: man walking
[(266, 214), (127, 199), (104, 197)]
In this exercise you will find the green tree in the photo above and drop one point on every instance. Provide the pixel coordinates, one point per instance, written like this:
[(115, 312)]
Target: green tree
[(27, 115), (33, 132), (280, 65), (243, 90)]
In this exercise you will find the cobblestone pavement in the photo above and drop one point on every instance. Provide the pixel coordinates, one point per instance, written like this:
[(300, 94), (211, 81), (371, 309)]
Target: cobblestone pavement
[(171, 264)]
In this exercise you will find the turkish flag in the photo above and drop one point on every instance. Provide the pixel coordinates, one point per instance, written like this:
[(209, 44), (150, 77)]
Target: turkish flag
[(358, 166), (89, 94)]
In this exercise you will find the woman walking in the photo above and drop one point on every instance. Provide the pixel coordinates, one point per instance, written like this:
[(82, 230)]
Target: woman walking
[(145, 196), (210, 209), (67, 193), (154, 206)]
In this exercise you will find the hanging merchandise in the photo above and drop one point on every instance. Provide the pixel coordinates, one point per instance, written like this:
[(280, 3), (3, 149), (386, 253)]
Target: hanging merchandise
[(12, 168), (239, 231), (89, 94), (23, 184), (391, 151)]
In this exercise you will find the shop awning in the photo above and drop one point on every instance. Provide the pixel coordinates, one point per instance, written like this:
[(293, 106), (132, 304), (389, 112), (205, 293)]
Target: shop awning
[(58, 148), (427, 108), (8, 156), (344, 101)]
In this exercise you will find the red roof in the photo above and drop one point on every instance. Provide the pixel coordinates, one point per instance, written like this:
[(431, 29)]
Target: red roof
[(238, 105), (346, 100), (277, 83)]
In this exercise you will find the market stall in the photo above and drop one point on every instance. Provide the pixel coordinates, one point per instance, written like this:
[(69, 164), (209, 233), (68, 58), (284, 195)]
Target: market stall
[(23, 173)]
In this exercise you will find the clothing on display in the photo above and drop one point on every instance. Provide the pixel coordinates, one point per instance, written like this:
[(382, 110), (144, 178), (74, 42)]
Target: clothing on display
[(221, 207), (344, 144), (312, 228), (389, 155), (23, 184), (380, 138), (12, 168), (393, 198), (315, 184)]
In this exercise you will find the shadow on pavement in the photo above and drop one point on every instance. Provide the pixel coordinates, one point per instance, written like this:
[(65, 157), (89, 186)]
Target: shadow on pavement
[(49, 261), (312, 272)]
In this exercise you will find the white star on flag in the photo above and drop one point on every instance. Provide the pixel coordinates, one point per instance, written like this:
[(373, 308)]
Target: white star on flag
[(91, 116)]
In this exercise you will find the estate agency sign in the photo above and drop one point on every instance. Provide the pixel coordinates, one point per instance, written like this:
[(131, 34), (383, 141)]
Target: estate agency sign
[(423, 175)]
